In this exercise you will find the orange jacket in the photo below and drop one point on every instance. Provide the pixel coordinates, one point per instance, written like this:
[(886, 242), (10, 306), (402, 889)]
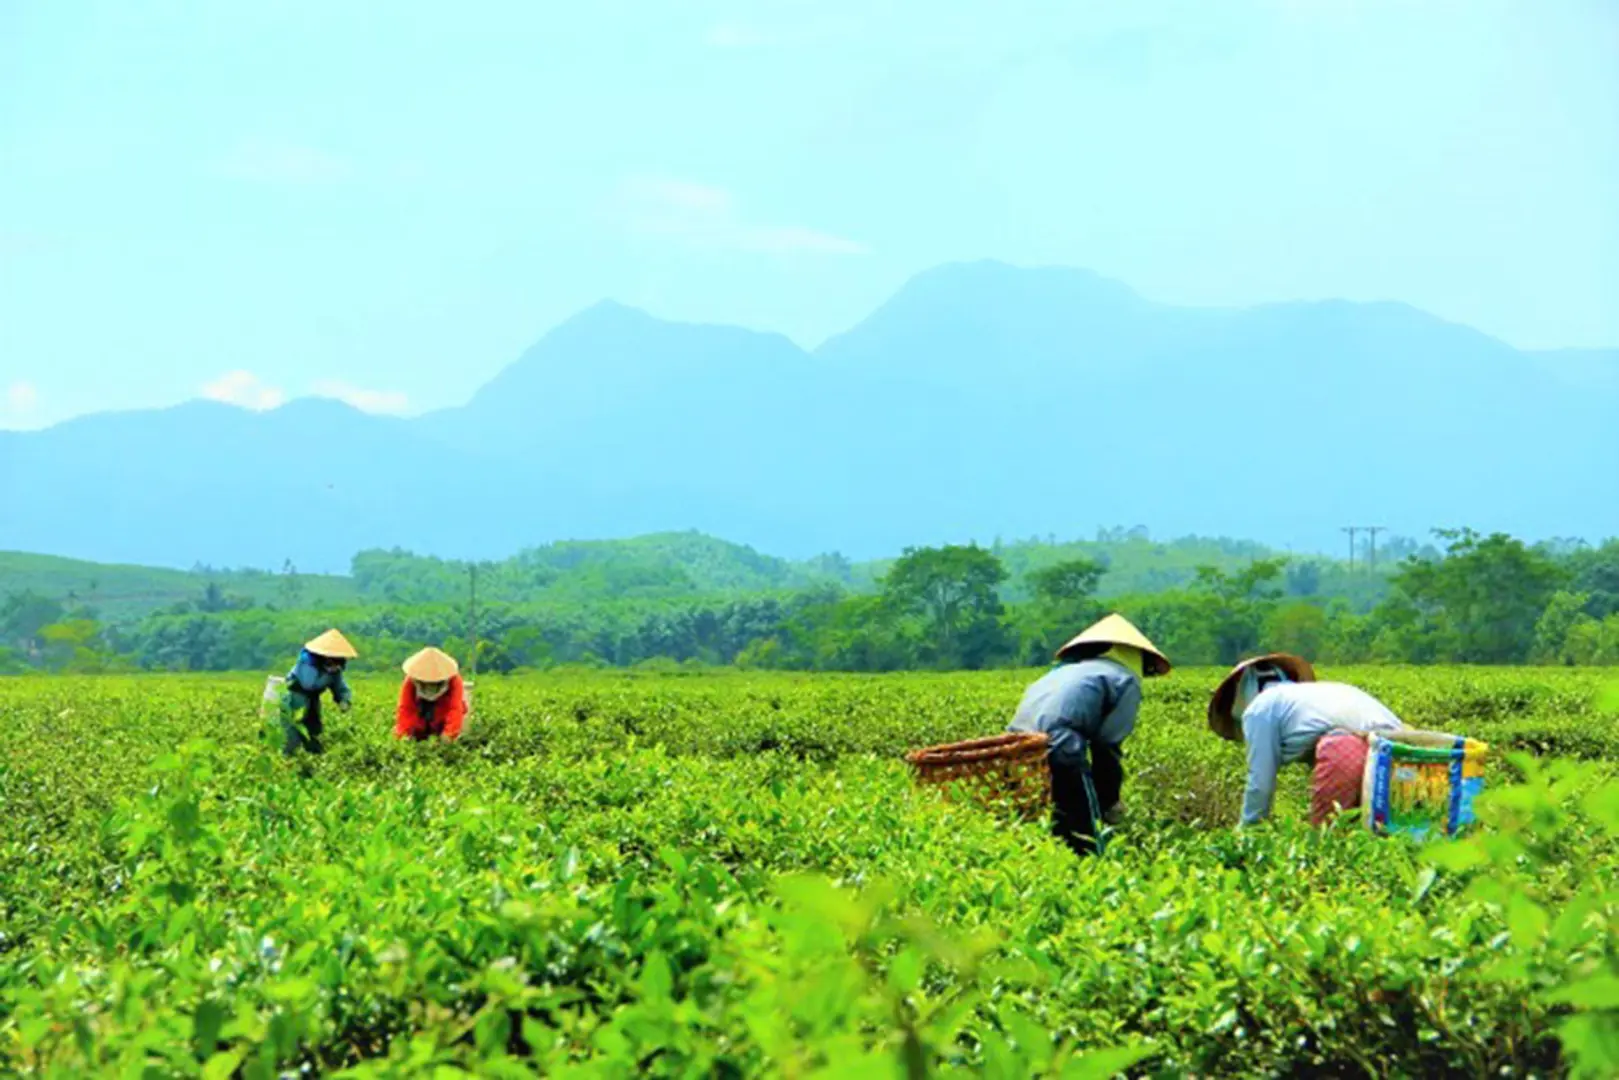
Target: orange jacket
[(443, 717)]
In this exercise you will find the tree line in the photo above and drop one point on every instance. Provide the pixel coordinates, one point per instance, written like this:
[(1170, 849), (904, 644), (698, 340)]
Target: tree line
[(1474, 598)]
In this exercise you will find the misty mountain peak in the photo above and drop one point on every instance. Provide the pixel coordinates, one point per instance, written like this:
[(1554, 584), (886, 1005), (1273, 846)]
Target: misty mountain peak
[(958, 407), (988, 286), (965, 305)]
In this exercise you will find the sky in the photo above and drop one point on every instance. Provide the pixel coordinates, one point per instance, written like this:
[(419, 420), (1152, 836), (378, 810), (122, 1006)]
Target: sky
[(254, 200)]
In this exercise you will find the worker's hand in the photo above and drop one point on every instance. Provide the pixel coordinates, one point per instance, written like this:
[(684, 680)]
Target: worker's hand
[(1113, 815), (343, 706)]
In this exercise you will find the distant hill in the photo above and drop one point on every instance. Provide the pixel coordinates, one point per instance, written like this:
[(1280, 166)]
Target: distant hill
[(981, 399), (655, 567), (118, 592), (659, 567), (312, 481), (1595, 370)]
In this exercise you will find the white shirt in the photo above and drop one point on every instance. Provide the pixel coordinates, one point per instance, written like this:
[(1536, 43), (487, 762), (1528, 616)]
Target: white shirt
[(1286, 720)]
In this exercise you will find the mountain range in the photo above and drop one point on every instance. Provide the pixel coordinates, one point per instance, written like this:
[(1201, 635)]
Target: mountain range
[(981, 399)]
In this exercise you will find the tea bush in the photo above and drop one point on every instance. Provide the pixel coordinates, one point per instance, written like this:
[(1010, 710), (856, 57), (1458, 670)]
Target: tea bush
[(733, 875)]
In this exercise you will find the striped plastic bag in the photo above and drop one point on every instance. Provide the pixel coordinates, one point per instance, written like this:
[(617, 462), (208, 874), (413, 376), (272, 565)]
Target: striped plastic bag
[(1418, 783)]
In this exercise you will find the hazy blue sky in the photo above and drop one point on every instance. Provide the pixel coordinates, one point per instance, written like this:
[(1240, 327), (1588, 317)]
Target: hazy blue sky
[(389, 202)]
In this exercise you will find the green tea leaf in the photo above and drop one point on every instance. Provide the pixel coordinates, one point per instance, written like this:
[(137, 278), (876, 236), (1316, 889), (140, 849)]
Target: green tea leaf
[(1594, 992), (222, 1066), (291, 990), (1602, 804), (1456, 856), (1103, 1064), (905, 970), (657, 981), (206, 1024), (813, 894), (1591, 1041), (1425, 882), (1527, 920)]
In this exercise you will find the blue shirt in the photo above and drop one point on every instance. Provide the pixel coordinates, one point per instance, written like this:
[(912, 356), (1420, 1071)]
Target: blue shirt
[(306, 681), (1074, 703), (1286, 720)]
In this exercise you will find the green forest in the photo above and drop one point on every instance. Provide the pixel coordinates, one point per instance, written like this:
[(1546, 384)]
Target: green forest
[(687, 600)]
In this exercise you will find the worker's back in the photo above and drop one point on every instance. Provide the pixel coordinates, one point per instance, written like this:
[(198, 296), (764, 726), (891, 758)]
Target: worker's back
[(1071, 703), (1332, 705)]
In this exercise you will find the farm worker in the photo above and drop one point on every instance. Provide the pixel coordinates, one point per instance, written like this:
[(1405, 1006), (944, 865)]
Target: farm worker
[(432, 699), (1286, 715), (1086, 707), (319, 669)]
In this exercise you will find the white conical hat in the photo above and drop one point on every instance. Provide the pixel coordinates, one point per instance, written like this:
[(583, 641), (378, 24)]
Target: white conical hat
[(332, 643), (1222, 718), (1116, 630), (431, 665)]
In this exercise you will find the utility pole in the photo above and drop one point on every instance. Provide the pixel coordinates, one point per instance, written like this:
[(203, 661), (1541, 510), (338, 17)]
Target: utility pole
[(1373, 530), (472, 618), (1371, 551)]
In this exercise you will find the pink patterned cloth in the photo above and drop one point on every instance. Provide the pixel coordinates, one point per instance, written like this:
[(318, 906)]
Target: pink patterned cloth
[(1340, 761)]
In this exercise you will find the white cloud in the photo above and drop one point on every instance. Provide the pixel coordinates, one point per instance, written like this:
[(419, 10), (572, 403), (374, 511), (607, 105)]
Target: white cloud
[(749, 35), (269, 161), (667, 193), (245, 389), (22, 398), (794, 240), (390, 402), (706, 216)]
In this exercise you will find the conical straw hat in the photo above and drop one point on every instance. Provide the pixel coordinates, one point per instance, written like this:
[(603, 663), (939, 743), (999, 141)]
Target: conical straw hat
[(431, 665), (1221, 720), (1115, 630), (332, 643)]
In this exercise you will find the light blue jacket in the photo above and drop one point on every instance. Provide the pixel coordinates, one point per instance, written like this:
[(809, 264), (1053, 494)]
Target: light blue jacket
[(306, 681), (1075, 703), (1286, 721)]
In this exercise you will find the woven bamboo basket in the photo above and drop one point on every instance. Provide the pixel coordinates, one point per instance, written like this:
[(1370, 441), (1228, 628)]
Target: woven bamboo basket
[(999, 771)]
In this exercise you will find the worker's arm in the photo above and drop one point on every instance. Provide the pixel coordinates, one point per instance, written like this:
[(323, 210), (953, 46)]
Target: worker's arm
[(340, 690), (1120, 720), (457, 713), (1264, 739)]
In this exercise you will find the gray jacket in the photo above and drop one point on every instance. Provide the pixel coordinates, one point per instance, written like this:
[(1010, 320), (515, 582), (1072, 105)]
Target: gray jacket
[(1075, 703)]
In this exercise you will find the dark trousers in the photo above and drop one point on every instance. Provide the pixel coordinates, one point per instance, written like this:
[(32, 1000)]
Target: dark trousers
[(303, 733), (1081, 792)]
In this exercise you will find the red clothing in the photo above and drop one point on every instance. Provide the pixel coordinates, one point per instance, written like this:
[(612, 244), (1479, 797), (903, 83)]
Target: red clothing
[(1340, 760), (443, 717)]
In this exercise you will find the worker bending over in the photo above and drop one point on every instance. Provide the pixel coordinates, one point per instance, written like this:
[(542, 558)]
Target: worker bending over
[(432, 699), (319, 669), (1285, 716), (1086, 707)]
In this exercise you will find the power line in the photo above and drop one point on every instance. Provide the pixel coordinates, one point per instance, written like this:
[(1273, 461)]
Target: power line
[(1374, 530), (1371, 552)]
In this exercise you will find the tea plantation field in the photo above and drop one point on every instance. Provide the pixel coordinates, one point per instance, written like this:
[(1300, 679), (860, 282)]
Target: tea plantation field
[(733, 875)]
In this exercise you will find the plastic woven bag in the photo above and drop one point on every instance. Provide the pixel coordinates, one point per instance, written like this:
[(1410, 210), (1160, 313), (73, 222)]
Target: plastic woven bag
[(270, 701), (1421, 782)]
